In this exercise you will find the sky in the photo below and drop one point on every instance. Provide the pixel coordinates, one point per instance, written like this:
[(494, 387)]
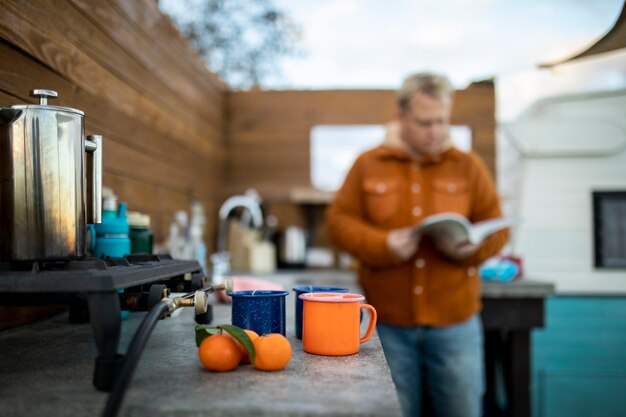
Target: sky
[(375, 43)]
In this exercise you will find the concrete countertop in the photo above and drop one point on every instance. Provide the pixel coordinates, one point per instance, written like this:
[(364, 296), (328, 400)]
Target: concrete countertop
[(46, 369), (521, 288)]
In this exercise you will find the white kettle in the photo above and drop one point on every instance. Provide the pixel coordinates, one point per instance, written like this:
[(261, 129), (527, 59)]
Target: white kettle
[(292, 247)]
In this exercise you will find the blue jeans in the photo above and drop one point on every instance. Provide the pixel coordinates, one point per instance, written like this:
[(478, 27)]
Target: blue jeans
[(445, 363)]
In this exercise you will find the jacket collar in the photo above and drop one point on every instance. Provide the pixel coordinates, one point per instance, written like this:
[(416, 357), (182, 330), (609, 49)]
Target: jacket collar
[(394, 147)]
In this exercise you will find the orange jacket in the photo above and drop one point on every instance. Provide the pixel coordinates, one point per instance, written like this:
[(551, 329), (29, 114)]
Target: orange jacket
[(387, 189)]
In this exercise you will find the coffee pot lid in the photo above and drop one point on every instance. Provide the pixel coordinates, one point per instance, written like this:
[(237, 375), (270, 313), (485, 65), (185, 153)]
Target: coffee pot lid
[(44, 95)]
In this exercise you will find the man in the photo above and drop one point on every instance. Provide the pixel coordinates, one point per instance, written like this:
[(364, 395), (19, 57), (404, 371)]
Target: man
[(427, 296)]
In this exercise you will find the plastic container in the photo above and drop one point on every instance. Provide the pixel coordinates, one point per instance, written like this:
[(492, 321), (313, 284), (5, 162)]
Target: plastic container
[(499, 270), (141, 237), (112, 238)]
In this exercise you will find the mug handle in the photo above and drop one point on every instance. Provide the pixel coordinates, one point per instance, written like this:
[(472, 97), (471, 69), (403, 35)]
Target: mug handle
[(371, 325)]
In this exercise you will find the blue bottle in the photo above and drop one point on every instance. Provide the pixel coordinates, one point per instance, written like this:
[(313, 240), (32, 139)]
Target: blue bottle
[(112, 238)]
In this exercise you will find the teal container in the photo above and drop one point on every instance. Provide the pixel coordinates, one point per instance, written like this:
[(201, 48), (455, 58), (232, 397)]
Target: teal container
[(141, 238), (111, 237)]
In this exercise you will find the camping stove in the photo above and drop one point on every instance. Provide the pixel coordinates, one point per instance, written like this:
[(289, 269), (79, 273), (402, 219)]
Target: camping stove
[(91, 288)]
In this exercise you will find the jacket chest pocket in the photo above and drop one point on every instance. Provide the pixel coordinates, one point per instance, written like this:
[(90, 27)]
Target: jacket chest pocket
[(382, 199), (450, 194)]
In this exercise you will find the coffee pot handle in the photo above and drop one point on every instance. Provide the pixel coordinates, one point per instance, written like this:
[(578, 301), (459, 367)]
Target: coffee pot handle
[(93, 145)]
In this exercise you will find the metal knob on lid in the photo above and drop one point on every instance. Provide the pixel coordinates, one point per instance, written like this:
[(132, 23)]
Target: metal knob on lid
[(43, 95)]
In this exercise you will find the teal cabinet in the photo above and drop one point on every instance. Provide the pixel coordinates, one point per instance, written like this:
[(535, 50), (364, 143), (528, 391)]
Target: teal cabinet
[(579, 358)]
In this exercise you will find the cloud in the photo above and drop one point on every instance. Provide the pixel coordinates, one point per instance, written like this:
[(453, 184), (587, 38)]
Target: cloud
[(361, 43)]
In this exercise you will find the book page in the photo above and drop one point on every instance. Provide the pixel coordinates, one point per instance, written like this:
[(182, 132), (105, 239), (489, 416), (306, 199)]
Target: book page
[(460, 229), (457, 231), (481, 230), (452, 224)]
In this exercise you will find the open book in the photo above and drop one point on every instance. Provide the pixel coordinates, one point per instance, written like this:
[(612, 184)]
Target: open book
[(460, 228)]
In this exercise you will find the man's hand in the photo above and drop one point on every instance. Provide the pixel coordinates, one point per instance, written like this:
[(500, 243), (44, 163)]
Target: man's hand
[(403, 243), (449, 247)]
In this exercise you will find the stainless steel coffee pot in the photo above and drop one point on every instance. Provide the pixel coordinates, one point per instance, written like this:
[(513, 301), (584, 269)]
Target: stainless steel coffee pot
[(43, 189)]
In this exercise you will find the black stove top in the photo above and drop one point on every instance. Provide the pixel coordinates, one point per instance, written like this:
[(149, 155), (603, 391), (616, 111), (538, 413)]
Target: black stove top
[(91, 288), (90, 274)]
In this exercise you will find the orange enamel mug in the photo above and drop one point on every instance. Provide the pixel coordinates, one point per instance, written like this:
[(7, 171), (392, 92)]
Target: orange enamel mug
[(331, 323)]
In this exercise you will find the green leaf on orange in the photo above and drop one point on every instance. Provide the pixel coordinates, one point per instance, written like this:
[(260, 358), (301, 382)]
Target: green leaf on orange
[(202, 332), (239, 335)]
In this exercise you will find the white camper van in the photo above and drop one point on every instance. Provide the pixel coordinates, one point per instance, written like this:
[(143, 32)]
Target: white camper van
[(562, 170)]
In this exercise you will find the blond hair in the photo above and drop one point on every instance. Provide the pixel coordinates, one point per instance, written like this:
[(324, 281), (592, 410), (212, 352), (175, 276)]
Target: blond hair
[(433, 85)]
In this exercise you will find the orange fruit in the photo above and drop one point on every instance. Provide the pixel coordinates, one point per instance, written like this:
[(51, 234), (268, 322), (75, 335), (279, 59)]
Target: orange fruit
[(272, 352), (219, 353), (244, 353)]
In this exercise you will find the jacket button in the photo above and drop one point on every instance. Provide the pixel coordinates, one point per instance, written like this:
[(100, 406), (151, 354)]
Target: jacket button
[(417, 211), (381, 188), (420, 263), (451, 187), (416, 188), (418, 290), (471, 271)]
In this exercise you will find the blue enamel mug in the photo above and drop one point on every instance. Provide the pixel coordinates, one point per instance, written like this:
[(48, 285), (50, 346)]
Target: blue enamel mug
[(260, 310), (304, 290)]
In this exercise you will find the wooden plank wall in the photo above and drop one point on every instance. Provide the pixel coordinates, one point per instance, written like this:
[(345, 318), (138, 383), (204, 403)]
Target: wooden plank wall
[(269, 135), (139, 84), (160, 110)]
